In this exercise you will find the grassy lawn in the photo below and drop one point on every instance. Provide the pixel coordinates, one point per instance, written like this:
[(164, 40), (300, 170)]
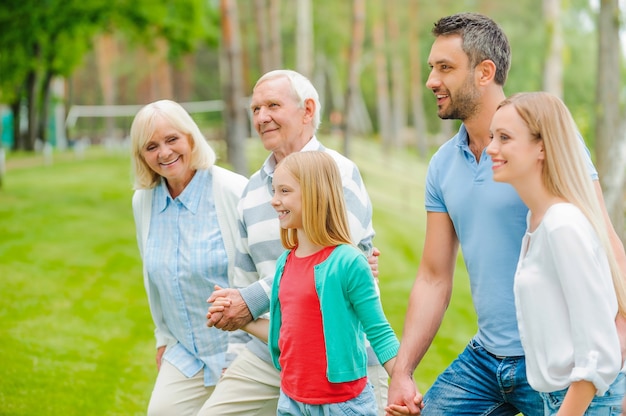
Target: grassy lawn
[(76, 335)]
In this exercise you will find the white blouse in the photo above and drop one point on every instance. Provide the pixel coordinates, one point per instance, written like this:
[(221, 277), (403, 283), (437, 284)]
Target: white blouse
[(566, 304)]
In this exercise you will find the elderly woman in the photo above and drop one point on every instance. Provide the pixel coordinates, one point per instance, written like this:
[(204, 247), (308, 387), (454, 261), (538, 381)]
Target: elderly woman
[(185, 215)]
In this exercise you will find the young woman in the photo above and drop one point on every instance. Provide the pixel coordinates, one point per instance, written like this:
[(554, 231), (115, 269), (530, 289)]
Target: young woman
[(568, 288), (185, 214), (324, 298)]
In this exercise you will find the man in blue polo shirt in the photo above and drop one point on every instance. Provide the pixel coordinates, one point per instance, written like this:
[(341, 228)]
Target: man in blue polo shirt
[(469, 62)]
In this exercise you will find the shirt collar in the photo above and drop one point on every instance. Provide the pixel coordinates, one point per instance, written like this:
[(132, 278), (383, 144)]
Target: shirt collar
[(462, 138), (189, 198), (269, 166), (462, 142)]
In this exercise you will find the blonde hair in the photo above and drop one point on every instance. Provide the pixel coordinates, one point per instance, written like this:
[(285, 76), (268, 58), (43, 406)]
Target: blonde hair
[(564, 169), (142, 130), (324, 217)]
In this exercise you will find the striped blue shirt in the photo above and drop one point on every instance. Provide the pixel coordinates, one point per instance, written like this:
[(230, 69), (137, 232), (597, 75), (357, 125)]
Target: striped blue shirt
[(184, 258)]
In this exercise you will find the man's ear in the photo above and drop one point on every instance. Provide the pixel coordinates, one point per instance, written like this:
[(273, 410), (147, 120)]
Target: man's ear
[(485, 71), (309, 110)]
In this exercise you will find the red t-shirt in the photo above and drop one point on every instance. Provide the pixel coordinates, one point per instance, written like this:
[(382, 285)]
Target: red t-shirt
[(301, 341)]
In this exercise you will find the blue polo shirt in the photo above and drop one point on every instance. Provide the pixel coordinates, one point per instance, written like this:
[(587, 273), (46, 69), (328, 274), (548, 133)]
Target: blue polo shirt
[(490, 220)]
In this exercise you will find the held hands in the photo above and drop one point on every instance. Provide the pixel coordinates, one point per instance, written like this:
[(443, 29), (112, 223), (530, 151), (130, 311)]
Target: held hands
[(218, 305), (404, 397), (230, 312)]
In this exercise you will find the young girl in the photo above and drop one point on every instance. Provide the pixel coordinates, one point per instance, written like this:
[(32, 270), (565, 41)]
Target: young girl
[(324, 299), (568, 288)]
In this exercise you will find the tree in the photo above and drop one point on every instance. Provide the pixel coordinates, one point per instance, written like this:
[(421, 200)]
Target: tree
[(232, 86), (261, 15), (383, 104), (415, 65), (50, 39), (106, 54), (276, 45), (352, 91), (553, 66), (610, 140), (304, 38), (398, 78)]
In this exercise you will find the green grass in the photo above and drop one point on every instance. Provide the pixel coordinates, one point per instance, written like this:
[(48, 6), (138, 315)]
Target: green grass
[(76, 335)]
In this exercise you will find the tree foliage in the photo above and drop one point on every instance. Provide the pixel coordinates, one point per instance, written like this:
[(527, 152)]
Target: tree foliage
[(54, 37), (41, 40)]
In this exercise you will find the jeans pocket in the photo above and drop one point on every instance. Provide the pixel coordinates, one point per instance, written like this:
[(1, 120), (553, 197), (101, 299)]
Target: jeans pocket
[(553, 401)]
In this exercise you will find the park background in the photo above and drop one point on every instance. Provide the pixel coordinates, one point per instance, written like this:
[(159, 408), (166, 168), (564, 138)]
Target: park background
[(75, 334)]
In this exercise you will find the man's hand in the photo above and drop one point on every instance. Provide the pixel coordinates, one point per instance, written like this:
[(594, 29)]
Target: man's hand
[(373, 261), (404, 397), (228, 316)]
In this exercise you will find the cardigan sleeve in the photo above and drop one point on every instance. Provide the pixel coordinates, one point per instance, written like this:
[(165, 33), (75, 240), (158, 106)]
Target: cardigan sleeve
[(363, 295), (227, 189)]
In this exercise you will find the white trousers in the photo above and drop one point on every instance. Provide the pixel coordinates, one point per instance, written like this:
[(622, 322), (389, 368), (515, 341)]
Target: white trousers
[(175, 394)]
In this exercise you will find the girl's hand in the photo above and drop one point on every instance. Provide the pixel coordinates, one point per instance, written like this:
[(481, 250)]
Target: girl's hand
[(397, 410), (218, 305)]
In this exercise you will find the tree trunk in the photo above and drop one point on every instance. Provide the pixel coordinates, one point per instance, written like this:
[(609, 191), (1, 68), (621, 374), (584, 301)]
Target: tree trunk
[(162, 74), (398, 79), (16, 110), (553, 66), (417, 103), (356, 48), (382, 79), (31, 90), (45, 107), (261, 13), (183, 79), (304, 38), (232, 86), (106, 52), (276, 45), (610, 140)]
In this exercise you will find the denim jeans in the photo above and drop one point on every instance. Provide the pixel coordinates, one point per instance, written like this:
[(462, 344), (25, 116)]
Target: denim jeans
[(362, 405), (479, 383), (608, 405)]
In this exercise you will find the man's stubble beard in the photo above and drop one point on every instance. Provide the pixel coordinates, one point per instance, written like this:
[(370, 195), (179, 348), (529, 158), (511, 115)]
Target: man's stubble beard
[(464, 104)]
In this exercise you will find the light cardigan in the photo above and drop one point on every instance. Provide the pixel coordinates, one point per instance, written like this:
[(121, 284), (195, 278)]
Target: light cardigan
[(350, 308), (566, 304), (227, 189)]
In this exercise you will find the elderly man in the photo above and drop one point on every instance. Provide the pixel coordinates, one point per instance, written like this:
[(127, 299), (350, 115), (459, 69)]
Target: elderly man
[(286, 112)]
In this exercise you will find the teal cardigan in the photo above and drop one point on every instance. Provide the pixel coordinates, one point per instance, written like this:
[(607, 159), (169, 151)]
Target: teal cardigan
[(351, 309)]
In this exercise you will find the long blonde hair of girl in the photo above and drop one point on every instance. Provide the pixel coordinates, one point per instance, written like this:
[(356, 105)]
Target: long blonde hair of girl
[(565, 172), (324, 217)]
